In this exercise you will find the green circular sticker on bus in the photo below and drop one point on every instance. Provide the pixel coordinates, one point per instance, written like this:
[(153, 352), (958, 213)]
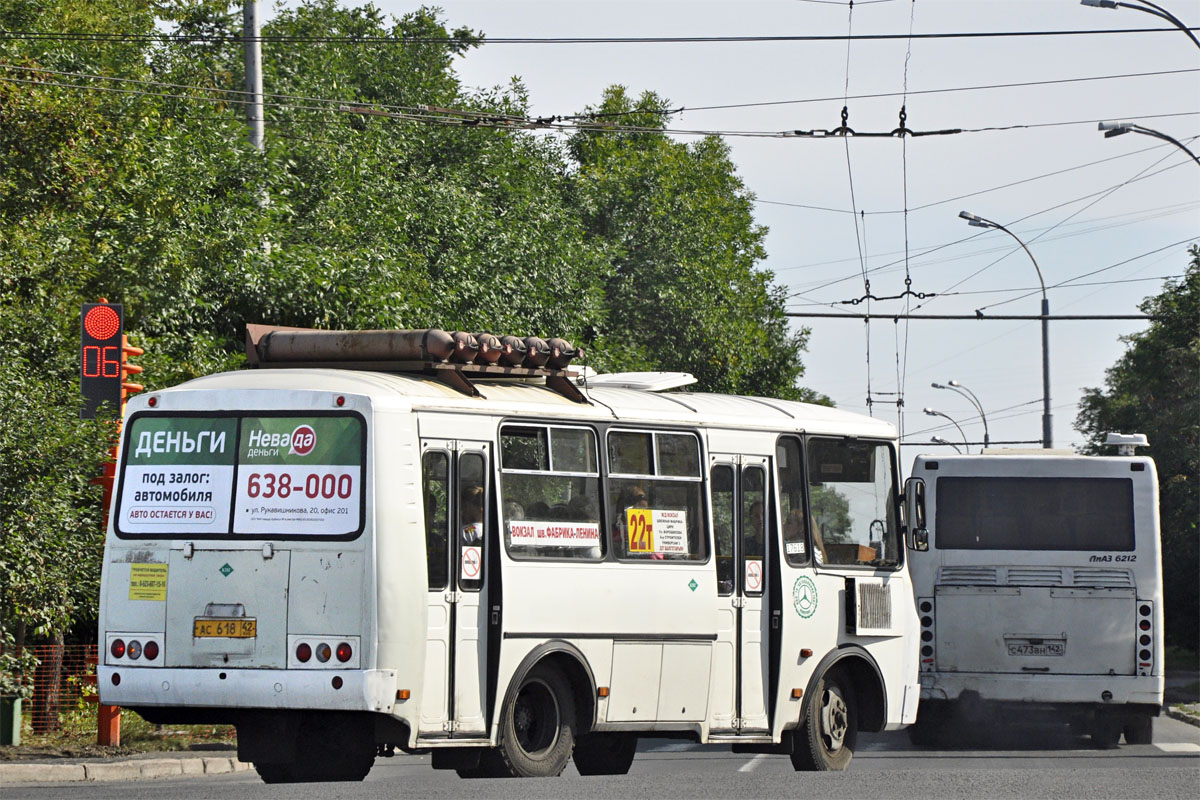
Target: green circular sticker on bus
[(804, 596)]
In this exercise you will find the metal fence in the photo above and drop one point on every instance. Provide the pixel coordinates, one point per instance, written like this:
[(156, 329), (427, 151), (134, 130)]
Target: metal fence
[(64, 689)]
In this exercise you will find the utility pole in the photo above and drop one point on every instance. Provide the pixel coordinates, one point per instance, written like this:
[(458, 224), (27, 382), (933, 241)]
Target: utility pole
[(252, 44)]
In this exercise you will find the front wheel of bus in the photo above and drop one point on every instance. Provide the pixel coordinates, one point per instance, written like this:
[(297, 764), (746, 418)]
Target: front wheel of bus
[(826, 739), (537, 728)]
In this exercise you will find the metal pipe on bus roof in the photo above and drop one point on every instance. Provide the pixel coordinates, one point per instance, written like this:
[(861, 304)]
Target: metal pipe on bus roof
[(376, 345), (514, 351), (490, 348)]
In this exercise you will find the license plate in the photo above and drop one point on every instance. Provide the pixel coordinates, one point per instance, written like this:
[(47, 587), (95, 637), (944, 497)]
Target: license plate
[(212, 628), (1043, 649)]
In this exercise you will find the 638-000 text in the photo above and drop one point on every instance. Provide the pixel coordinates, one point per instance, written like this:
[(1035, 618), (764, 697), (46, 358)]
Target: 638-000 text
[(269, 484)]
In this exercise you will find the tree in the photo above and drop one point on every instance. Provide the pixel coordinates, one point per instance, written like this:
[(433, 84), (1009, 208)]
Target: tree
[(1154, 388), (685, 292)]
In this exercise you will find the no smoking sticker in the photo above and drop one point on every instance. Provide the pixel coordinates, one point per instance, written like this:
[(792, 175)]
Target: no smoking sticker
[(754, 572), (472, 558)]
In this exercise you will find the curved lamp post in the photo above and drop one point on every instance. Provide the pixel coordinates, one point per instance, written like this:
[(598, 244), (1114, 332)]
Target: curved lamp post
[(940, 440), (955, 386), (980, 222), (1112, 129), (933, 412), (1147, 7)]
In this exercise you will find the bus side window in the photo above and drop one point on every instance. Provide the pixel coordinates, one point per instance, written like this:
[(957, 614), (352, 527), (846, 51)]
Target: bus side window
[(723, 505), (791, 501), (435, 469)]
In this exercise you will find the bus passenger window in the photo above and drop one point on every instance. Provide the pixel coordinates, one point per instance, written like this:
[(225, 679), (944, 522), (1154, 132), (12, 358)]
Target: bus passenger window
[(791, 501), (435, 468), (723, 506), (550, 485), (655, 496)]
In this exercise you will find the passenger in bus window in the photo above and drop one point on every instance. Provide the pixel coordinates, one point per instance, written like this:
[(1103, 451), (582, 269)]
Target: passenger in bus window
[(472, 515)]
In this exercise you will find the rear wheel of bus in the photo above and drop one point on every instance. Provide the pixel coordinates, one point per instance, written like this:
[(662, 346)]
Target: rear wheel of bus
[(537, 726), (826, 738), (605, 753)]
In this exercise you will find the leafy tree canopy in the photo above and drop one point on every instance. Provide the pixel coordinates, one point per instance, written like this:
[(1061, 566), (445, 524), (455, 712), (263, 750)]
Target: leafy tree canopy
[(1152, 389)]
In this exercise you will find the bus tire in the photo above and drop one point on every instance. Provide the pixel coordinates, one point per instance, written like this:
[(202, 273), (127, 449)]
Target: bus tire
[(1106, 732), (826, 739), (1139, 729), (605, 753), (537, 727)]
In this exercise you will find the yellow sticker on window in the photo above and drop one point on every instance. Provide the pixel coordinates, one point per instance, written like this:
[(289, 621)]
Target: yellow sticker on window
[(148, 582), (640, 523)]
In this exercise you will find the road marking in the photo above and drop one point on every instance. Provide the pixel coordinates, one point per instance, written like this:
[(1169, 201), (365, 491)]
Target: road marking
[(752, 763), (1179, 747)]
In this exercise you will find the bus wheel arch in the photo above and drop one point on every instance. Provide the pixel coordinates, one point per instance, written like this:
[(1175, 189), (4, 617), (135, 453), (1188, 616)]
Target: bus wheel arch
[(863, 676), (574, 666)]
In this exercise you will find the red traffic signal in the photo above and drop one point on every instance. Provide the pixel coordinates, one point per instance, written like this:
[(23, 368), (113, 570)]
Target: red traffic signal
[(100, 374)]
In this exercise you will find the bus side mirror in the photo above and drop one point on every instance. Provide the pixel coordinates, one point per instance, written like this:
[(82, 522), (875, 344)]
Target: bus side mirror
[(914, 506)]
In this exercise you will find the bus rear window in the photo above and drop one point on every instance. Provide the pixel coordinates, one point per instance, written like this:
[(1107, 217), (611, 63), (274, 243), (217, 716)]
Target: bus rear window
[(1034, 514), (280, 475)]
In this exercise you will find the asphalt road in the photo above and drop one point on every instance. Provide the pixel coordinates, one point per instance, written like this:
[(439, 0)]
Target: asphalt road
[(1026, 764)]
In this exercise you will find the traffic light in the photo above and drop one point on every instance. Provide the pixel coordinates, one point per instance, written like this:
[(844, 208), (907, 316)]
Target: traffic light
[(100, 356), (103, 358)]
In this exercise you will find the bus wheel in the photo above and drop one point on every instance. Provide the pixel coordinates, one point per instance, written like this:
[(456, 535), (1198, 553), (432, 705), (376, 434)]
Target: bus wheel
[(537, 728), (1139, 730), (1106, 732), (826, 739), (605, 753)]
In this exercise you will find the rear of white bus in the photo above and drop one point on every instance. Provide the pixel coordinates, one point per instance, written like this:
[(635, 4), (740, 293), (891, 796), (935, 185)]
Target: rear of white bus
[(238, 582), (1040, 596)]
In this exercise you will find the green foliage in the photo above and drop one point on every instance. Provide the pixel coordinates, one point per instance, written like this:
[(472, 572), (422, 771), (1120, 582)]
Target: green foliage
[(1152, 389), (144, 190)]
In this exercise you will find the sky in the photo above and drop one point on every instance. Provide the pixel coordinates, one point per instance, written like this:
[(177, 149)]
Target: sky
[(1105, 218)]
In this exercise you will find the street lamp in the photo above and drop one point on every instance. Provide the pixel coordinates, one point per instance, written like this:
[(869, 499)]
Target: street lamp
[(940, 440), (955, 386), (980, 222), (1147, 7), (935, 413), (1112, 129)]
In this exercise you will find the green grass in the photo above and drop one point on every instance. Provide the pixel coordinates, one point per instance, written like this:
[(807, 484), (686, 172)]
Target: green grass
[(77, 734)]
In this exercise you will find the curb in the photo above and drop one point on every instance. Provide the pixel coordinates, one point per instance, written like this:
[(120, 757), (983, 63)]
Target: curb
[(1175, 713), (134, 769)]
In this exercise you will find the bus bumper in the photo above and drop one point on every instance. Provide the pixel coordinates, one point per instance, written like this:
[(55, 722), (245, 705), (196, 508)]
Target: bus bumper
[(1051, 689), (360, 690)]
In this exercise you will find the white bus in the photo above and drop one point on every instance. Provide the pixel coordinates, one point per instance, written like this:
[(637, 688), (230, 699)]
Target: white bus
[(1040, 593), (503, 569)]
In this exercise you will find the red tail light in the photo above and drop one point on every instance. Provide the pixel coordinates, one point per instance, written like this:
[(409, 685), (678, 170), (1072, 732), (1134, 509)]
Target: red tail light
[(150, 651), (303, 652), (117, 648), (344, 652)]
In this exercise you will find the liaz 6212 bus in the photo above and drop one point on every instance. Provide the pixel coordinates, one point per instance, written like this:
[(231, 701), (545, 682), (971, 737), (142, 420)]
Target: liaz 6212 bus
[(371, 540), (1040, 593)]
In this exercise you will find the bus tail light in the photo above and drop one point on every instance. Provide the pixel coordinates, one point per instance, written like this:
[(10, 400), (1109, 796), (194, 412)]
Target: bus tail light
[(1145, 637), (343, 652), (324, 651), (303, 652), (150, 650), (117, 648), (925, 608), (134, 650)]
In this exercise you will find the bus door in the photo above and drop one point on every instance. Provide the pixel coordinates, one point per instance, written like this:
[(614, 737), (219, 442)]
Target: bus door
[(456, 495), (741, 668)]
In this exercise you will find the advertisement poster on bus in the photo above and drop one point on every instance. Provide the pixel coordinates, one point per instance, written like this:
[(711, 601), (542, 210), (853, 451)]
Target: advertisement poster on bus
[(302, 475)]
